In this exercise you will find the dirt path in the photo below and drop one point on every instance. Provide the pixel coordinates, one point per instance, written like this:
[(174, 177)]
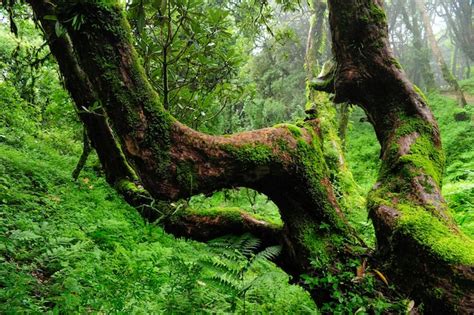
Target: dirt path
[(452, 94)]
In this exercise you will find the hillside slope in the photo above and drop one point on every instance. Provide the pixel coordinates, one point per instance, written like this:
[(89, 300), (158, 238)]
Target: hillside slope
[(78, 247)]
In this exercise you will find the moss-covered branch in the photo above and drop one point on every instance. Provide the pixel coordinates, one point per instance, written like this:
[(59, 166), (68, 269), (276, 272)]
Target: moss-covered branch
[(424, 251)]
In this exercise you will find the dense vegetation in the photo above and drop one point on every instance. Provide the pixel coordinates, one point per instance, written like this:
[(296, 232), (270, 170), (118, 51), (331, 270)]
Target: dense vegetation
[(76, 246)]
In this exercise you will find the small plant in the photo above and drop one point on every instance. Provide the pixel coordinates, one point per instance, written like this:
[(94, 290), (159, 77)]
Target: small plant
[(234, 258), (354, 289)]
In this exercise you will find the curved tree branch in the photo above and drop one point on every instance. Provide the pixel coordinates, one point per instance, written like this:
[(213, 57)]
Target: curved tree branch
[(416, 235), (174, 161)]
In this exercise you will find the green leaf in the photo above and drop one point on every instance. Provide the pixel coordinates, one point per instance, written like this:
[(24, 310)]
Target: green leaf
[(59, 29), (50, 17), (141, 18)]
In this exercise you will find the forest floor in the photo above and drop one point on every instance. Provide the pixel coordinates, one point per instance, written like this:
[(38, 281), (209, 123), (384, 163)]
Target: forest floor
[(452, 95), (77, 247), (71, 246)]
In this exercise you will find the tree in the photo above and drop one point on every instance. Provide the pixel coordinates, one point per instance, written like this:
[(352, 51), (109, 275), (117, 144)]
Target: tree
[(418, 243), (438, 55), (458, 15), (421, 60), (180, 39)]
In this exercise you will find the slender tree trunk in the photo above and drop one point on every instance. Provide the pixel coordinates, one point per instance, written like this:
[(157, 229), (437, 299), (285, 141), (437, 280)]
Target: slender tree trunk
[(454, 62), (86, 150), (438, 56), (344, 115), (468, 68), (422, 58), (165, 78)]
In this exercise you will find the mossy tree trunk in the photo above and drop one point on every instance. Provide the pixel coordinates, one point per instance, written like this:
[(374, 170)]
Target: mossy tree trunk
[(173, 161), (416, 236), (438, 55), (424, 251), (334, 122)]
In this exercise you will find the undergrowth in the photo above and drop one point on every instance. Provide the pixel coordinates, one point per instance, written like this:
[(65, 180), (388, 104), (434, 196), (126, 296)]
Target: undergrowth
[(77, 247)]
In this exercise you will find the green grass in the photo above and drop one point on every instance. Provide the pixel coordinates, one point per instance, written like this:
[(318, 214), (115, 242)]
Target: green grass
[(468, 85), (77, 247)]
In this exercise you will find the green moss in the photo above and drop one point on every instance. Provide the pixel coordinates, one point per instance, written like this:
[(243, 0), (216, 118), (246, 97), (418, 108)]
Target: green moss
[(426, 158), (430, 232), (420, 92), (256, 153), (410, 124), (438, 293), (295, 130), (311, 160), (321, 242), (127, 186), (233, 214), (186, 175), (377, 14), (282, 144), (137, 104), (395, 62)]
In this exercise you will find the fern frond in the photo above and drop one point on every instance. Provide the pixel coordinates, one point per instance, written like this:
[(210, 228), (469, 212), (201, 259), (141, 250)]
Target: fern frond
[(226, 281), (268, 253), (250, 245), (233, 255)]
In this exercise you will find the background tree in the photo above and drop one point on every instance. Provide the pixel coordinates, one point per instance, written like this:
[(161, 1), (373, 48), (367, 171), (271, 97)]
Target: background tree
[(437, 54), (458, 15)]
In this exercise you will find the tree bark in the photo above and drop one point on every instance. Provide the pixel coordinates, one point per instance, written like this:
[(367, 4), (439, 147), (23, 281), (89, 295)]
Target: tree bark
[(454, 62), (423, 250), (415, 233), (438, 55)]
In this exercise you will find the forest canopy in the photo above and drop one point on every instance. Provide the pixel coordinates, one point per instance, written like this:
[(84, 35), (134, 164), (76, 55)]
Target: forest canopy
[(201, 156)]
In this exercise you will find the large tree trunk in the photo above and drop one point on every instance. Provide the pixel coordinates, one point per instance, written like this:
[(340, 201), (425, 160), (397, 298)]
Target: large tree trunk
[(173, 161), (424, 251), (438, 55), (416, 236)]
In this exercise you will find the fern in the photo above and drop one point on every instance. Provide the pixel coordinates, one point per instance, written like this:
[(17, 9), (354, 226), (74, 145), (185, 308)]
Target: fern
[(268, 253), (234, 257), (245, 244)]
